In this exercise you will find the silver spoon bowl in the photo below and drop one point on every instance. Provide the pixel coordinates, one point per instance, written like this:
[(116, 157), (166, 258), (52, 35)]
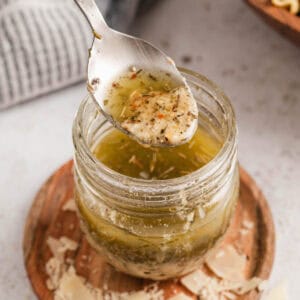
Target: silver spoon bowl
[(113, 53)]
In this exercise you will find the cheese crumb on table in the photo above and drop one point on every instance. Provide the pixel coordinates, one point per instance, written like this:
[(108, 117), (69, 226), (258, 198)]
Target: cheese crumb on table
[(279, 292)]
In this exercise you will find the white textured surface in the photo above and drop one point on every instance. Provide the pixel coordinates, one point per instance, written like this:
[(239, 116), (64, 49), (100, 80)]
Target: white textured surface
[(259, 71)]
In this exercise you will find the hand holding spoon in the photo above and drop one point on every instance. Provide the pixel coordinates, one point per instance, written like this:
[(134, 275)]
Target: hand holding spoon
[(114, 53)]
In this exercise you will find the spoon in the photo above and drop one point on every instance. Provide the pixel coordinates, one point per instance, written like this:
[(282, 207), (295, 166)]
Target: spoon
[(113, 53)]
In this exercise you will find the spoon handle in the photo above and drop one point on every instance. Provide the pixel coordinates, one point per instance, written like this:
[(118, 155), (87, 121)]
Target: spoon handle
[(93, 15)]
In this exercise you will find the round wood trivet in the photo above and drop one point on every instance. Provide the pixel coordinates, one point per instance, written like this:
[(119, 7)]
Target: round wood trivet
[(47, 218)]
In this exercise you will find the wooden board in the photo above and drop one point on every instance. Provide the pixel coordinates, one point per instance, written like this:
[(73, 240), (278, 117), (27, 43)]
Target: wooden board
[(279, 18), (47, 218)]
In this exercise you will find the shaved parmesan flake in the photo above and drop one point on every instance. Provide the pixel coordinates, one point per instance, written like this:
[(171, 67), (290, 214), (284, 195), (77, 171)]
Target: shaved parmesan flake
[(59, 247), (67, 244), (244, 231), (225, 285), (70, 205), (195, 281), (229, 295), (263, 285), (141, 295), (67, 285), (54, 269), (55, 266), (54, 245), (248, 285), (229, 281), (248, 224), (220, 253), (180, 296), (73, 287), (230, 265)]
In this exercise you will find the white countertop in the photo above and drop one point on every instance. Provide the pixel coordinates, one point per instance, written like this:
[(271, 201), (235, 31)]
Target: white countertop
[(227, 42)]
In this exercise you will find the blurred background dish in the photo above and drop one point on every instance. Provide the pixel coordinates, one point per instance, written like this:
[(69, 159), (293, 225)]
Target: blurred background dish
[(279, 18)]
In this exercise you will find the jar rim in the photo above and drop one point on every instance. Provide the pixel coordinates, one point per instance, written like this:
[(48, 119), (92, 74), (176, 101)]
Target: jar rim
[(177, 183)]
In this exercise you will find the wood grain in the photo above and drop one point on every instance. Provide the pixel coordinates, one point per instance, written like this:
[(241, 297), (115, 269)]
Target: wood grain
[(47, 218), (279, 18)]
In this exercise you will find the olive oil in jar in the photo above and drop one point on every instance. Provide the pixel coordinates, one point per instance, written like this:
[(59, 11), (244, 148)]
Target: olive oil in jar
[(157, 228), (127, 98), (126, 156)]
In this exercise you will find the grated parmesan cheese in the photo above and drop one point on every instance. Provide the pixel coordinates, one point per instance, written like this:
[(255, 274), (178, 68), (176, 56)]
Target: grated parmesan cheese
[(73, 287), (68, 285)]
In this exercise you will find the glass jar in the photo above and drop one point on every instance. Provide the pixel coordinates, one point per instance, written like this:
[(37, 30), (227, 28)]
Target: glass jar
[(157, 229)]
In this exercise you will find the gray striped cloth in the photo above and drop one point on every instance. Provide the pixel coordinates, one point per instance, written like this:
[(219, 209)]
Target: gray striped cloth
[(43, 44)]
